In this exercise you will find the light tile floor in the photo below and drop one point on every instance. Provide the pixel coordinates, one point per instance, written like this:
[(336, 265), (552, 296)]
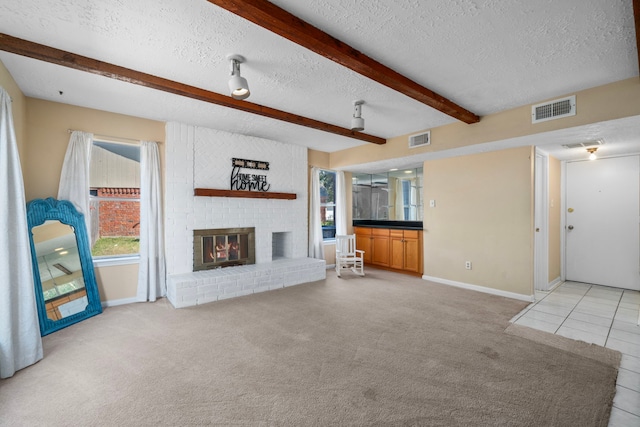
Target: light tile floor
[(600, 315)]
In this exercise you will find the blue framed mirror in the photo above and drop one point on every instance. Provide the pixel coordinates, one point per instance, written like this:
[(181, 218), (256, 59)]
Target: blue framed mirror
[(65, 284)]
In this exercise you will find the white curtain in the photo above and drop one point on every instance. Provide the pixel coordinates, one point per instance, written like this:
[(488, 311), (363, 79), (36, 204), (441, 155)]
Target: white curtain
[(316, 247), (20, 342), (341, 204), (151, 275), (74, 178)]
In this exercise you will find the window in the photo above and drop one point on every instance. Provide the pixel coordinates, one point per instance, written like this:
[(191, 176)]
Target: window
[(328, 204), (114, 199)]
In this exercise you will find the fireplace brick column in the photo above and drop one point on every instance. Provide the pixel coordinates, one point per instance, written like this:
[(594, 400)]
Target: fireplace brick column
[(199, 157)]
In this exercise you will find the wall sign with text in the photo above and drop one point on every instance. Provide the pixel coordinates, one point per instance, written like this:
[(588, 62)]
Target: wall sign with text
[(246, 180)]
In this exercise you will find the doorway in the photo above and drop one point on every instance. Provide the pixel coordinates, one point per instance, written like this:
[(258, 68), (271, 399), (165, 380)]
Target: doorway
[(602, 213)]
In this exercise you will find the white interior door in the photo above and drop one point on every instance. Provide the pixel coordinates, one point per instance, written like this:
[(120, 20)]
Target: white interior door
[(601, 222)]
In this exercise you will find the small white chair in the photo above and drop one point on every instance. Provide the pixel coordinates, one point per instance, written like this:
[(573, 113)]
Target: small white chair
[(347, 256)]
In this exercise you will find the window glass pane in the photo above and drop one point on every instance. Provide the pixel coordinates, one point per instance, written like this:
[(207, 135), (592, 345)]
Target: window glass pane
[(327, 187), (115, 198), (327, 203), (328, 215)]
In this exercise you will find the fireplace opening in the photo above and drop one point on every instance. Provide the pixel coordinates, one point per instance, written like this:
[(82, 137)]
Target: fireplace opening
[(223, 247)]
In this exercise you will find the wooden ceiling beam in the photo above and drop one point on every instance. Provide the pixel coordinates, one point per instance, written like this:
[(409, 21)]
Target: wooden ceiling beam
[(277, 20), (636, 18), (94, 66)]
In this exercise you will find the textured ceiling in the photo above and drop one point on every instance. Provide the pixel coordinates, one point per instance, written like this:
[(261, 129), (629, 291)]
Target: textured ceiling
[(486, 56)]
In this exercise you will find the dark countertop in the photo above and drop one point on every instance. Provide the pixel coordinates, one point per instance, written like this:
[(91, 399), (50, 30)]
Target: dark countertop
[(400, 225)]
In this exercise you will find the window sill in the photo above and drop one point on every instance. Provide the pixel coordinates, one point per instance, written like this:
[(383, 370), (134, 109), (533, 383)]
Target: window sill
[(329, 241), (112, 261)]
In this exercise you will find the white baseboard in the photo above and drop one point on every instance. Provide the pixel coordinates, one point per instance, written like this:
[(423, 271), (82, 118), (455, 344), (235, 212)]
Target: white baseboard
[(528, 298), (115, 302), (554, 283), (331, 266)]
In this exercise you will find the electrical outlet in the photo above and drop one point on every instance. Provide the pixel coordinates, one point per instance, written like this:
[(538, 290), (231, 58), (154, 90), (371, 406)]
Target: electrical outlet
[(432, 203), (467, 265)]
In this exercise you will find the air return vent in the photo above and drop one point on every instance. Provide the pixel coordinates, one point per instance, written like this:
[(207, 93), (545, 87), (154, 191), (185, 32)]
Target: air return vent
[(420, 139), (587, 144), (554, 109)]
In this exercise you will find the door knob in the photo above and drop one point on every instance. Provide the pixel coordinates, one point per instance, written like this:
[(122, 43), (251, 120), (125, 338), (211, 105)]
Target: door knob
[(570, 227)]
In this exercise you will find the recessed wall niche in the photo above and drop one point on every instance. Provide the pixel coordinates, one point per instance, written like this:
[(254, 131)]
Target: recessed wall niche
[(281, 245)]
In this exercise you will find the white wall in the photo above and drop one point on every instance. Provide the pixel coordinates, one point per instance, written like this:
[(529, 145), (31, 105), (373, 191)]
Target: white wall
[(199, 157)]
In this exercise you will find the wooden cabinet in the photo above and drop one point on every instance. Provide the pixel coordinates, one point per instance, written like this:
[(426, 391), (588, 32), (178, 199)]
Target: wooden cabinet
[(406, 250), (380, 246), (397, 249), (394, 249), (375, 244), (363, 242)]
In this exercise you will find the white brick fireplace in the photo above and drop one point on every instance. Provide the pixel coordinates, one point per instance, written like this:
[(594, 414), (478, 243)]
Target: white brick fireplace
[(198, 157)]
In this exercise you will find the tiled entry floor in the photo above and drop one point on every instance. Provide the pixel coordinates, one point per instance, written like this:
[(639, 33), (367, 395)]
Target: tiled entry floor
[(600, 315)]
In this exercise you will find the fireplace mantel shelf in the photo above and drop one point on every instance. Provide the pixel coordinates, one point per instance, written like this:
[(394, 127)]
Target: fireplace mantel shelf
[(210, 192)]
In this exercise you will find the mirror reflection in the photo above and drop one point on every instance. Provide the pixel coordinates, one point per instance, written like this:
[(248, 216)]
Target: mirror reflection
[(60, 269), (394, 195), (65, 283), (380, 200)]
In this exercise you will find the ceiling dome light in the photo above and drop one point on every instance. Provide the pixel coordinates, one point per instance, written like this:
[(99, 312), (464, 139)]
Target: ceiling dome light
[(357, 122), (592, 153), (237, 84)]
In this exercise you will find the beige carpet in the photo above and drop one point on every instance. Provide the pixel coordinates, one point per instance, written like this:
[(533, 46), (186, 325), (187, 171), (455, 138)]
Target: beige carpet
[(383, 350)]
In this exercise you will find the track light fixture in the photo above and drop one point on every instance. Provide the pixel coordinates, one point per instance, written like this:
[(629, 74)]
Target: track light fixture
[(357, 122), (592, 153), (237, 84)]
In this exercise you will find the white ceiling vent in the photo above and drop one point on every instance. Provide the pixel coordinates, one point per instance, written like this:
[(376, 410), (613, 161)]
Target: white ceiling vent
[(587, 144), (420, 139), (555, 109)]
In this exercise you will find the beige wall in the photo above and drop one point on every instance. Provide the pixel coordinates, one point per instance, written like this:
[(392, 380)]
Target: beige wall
[(483, 214), (319, 159), (608, 102), (47, 140), (19, 111), (117, 282), (554, 218)]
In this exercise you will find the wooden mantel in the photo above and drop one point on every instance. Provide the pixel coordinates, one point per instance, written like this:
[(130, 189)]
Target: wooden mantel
[(210, 192)]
